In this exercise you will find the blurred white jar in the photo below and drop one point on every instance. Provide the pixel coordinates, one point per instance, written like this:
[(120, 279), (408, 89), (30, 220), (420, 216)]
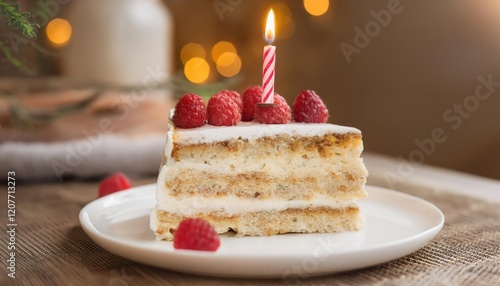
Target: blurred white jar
[(126, 42)]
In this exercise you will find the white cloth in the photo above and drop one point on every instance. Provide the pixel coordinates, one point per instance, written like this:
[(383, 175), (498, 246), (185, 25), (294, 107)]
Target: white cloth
[(85, 158)]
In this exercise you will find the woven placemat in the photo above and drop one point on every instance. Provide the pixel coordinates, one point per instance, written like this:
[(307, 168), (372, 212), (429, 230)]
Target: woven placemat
[(52, 248)]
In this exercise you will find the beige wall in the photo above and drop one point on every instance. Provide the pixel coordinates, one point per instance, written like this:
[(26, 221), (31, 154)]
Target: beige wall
[(396, 89)]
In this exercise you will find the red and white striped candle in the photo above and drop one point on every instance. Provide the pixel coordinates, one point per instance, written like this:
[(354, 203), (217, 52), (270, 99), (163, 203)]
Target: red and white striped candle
[(269, 62)]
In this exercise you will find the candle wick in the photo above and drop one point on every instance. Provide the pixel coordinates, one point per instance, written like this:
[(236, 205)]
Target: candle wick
[(269, 39)]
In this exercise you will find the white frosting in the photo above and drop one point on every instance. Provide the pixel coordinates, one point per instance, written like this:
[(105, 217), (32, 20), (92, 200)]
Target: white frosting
[(169, 146), (154, 223), (254, 130)]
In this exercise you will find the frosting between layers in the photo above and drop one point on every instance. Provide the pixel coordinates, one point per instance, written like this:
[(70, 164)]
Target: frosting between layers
[(231, 205)]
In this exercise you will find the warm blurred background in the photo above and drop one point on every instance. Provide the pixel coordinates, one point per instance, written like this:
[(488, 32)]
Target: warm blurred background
[(421, 79)]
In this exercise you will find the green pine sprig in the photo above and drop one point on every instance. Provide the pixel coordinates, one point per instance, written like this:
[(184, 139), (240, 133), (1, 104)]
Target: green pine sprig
[(13, 60), (17, 19), (20, 21)]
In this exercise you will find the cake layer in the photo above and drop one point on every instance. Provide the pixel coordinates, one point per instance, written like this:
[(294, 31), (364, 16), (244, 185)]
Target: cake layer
[(265, 149), (265, 223), (286, 167), (339, 186), (192, 205)]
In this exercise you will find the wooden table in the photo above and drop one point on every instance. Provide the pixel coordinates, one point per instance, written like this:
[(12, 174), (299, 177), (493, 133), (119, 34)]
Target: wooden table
[(52, 249)]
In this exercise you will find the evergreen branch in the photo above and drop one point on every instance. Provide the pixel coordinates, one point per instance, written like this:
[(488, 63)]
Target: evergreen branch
[(17, 19), (15, 61)]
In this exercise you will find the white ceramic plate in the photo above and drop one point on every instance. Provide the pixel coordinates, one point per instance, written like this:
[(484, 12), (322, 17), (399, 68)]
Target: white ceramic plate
[(396, 225)]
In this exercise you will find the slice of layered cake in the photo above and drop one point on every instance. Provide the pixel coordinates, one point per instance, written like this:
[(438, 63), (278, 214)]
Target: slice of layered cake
[(261, 179)]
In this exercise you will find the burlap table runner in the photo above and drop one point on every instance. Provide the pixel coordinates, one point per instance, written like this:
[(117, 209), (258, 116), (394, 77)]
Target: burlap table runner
[(52, 248)]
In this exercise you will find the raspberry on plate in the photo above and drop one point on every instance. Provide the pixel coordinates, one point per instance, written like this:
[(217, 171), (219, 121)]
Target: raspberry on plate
[(308, 107), (279, 113), (251, 96), (114, 183), (196, 234), (223, 109), (190, 112)]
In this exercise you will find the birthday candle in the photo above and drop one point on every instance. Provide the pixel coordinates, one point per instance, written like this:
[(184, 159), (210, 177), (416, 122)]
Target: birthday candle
[(269, 62)]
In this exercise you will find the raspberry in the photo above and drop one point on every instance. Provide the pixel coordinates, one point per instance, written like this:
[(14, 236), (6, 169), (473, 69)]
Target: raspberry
[(190, 112), (114, 183), (235, 96), (196, 234), (223, 110), (277, 114), (308, 107), (251, 96)]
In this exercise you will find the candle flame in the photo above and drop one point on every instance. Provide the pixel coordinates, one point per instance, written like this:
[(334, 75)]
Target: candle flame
[(270, 33)]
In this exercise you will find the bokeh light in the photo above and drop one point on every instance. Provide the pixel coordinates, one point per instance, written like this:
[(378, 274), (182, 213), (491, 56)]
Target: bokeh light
[(58, 31), (197, 70), (283, 21), (316, 7), (192, 50), (228, 64), (221, 48)]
